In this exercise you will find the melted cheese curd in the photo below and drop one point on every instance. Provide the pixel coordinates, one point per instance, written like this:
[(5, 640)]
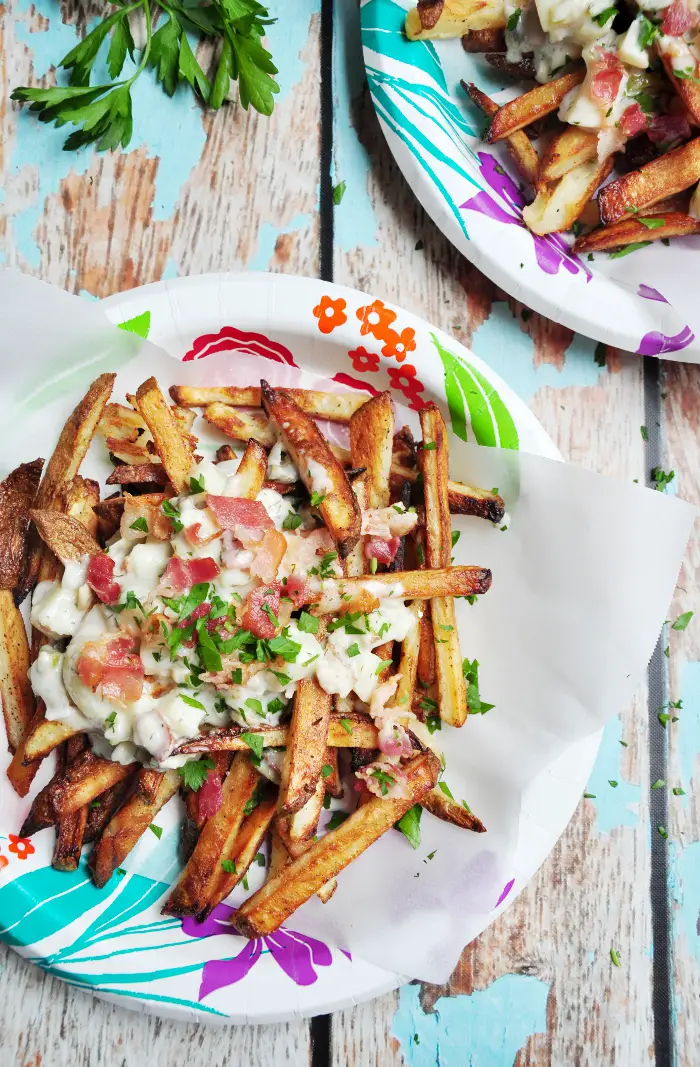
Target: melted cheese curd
[(554, 32), (209, 671)]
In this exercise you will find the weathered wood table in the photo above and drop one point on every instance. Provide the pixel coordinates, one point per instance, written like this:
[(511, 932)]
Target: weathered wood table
[(198, 193)]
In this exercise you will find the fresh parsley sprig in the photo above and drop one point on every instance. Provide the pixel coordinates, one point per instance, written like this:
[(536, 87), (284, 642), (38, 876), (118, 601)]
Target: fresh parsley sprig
[(102, 114)]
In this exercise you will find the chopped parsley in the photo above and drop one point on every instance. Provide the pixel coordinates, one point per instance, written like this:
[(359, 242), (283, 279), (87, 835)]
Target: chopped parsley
[(456, 534), (686, 75), (628, 249), (354, 650), (337, 819), (420, 554), (651, 224), (282, 678), (308, 624), (139, 524), (260, 859), (255, 742), (271, 615), (192, 702), (237, 676), (470, 669), (433, 722), (292, 521), (339, 192), (662, 478), (157, 830), (615, 957), (663, 832), (678, 791), (429, 446), (648, 31), (644, 432), (282, 646), (316, 499), (325, 568), (173, 514), (682, 620), (326, 770), (255, 705), (229, 866), (513, 19), (612, 782), (347, 726), (197, 485), (110, 720), (373, 566), (605, 16), (446, 790), (194, 773), (589, 796), (409, 825), (386, 781)]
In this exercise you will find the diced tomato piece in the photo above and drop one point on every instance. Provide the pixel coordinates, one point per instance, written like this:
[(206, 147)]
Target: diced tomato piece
[(100, 578), (269, 556), (210, 795), (255, 617), (633, 121), (677, 19), (247, 519), (381, 549)]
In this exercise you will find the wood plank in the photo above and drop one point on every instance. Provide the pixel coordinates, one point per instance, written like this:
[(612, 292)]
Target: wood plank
[(591, 894), (45, 1021)]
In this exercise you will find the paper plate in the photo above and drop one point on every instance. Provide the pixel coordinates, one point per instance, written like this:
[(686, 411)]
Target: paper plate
[(470, 191), (114, 941)]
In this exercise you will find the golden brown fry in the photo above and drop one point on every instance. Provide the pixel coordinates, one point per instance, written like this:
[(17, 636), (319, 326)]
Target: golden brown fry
[(193, 891), (351, 730), (138, 474), (336, 407), (44, 737), (250, 475), (519, 147), (567, 149), (440, 19), (70, 829), (87, 778), (408, 661), (109, 512), (132, 820), (557, 207), (302, 825), (631, 230), (371, 446), (687, 88), (464, 500), (267, 909), (491, 40), (132, 452), (522, 70), (306, 745), (120, 422), (240, 425), (447, 809), (434, 463), (355, 563), (530, 106), (18, 702), (279, 857), (244, 850), (320, 471), (17, 493), (331, 779), (663, 177), (171, 442), (67, 538), (102, 808), (409, 585), (426, 670)]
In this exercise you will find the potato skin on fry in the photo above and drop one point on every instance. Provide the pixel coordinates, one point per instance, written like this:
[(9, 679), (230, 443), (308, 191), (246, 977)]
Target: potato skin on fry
[(17, 494), (88, 777), (352, 730), (630, 230), (490, 40), (371, 446), (240, 425), (171, 441), (443, 807), (306, 745), (531, 106), (18, 701), (442, 19), (663, 177), (518, 144), (67, 538)]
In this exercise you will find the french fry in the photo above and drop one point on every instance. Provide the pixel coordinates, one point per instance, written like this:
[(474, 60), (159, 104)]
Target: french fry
[(302, 825), (193, 891), (409, 585), (267, 909), (70, 829), (87, 778), (441, 19), (434, 464), (398, 563), (426, 670), (336, 407), (279, 857), (490, 40), (44, 737), (530, 106), (240, 425), (320, 471), (408, 661), (17, 493), (447, 809), (351, 730), (464, 500), (566, 151), (631, 230), (138, 474), (687, 88), (371, 446), (121, 423), (103, 807), (245, 848), (331, 779), (131, 821), (557, 207), (663, 177), (171, 442), (306, 745), (67, 538), (18, 701), (518, 144), (251, 472), (109, 512), (135, 453), (522, 70)]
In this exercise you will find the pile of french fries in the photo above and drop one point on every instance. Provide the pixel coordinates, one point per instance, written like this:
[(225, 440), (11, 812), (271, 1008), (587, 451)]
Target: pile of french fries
[(654, 201), (50, 518)]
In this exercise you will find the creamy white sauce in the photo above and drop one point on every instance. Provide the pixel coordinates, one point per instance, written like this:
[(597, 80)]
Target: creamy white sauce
[(321, 481), (58, 607), (280, 467)]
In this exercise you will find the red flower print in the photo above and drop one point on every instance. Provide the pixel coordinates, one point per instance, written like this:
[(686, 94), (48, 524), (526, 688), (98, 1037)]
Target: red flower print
[(404, 379), (231, 339), (363, 360), (376, 319), (21, 846), (399, 344), (4, 862), (330, 313)]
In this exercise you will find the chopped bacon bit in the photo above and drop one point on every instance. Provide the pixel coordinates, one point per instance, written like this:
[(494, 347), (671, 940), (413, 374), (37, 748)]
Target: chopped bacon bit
[(202, 570), (304, 549), (606, 79), (298, 590), (181, 574), (210, 795), (382, 550), (115, 666), (269, 556), (200, 612), (247, 519), (100, 578), (159, 525), (255, 617), (633, 121), (677, 19)]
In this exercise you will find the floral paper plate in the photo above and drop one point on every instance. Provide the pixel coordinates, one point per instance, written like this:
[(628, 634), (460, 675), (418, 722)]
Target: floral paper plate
[(114, 941), (469, 190)]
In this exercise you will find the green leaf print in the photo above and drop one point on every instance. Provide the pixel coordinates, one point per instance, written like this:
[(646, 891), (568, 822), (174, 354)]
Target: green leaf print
[(140, 324), (473, 402)]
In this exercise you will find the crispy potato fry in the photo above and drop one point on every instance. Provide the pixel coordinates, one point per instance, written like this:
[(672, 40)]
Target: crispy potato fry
[(434, 464), (566, 151), (194, 820), (18, 701), (631, 230), (134, 453), (336, 407), (70, 829), (267, 909), (240, 425), (302, 825), (320, 471), (193, 891), (530, 106), (440, 19), (332, 781), (306, 745), (351, 730), (244, 850), (557, 207), (410, 585), (121, 422), (464, 500), (171, 441), (687, 88), (279, 857), (103, 807), (44, 737), (522, 70), (251, 472), (67, 538), (17, 493), (131, 821), (371, 446), (355, 563), (408, 661), (490, 40), (138, 474), (663, 177), (87, 778), (447, 809), (518, 144), (109, 512), (426, 669)]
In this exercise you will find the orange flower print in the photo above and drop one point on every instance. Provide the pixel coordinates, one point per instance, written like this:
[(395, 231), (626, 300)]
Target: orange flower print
[(404, 379), (398, 344), (4, 862), (376, 319), (21, 846), (363, 360), (330, 313)]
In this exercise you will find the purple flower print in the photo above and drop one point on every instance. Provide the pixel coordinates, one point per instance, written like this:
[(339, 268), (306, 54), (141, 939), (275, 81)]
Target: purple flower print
[(551, 251), (506, 890), (656, 344), (297, 954), (648, 293)]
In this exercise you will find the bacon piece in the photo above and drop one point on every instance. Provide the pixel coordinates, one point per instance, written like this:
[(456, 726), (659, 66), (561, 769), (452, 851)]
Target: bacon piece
[(677, 19), (298, 590), (200, 612), (381, 549), (180, 574), (209, 795), (606, 79), (202, 570), (100, 578), (269, 556), (159, 525), (255, 617), (633, 121), (115, 666), (194, 538), (247, 519), (304, 549)]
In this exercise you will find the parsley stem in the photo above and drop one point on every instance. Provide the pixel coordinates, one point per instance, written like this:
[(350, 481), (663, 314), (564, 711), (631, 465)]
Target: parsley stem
[(146, 5)]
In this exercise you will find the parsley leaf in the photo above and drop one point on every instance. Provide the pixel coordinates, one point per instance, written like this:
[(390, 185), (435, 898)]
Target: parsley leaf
[(339, 192), (157, 830), (110, 720), (648, 31), (682, 620), (475, 704), (308, 624), (326, 770), (662, 478), (255, 742), (197, 485), (173, 514), (337, 819), (192, 702), (409, 825), (139, 524), (633, 247), (513, 19), (651, 224), (229, 866), (347, 726), (316, 499), (292, 521), (605, 16), (194, 773)]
